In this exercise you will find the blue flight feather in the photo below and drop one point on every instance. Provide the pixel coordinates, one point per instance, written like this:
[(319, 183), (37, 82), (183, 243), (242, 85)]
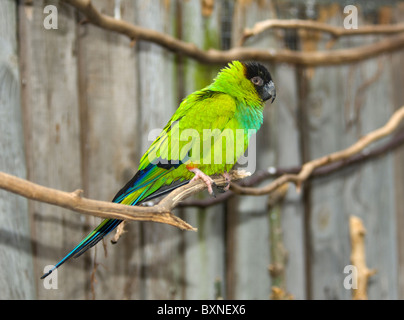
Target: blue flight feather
[(139, 181)]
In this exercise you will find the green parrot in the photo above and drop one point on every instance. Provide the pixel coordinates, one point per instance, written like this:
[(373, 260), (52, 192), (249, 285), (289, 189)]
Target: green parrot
[(191, 146)]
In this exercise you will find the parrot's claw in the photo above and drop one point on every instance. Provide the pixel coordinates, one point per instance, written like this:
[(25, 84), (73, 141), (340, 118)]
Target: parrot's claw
[(223, 189), (227, 177), (205, 178)]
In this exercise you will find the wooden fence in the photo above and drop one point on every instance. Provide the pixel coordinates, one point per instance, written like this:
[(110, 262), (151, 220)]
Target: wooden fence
[(76, 107)]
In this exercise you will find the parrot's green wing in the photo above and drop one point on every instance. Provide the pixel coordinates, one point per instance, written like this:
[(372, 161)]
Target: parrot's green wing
[(197, 116), (169, 152)]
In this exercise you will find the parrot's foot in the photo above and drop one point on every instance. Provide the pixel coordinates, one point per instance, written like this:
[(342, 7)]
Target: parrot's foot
[(205, 178)]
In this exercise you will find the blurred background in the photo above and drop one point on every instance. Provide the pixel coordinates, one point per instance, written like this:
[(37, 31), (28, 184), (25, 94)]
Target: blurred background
[(77, 104)]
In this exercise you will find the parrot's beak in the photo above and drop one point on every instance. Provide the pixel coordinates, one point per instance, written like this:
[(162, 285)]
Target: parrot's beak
[(269, 91)]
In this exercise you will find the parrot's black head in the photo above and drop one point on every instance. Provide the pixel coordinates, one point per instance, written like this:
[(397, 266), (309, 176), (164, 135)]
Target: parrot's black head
[(261, 79)]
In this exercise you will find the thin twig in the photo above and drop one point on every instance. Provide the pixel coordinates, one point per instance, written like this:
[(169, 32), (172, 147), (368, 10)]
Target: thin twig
[(119, 231), (213, 56)]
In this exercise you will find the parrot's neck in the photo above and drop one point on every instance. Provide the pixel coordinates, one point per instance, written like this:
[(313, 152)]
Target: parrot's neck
[(232, 81), (249, 117), (249, 107)]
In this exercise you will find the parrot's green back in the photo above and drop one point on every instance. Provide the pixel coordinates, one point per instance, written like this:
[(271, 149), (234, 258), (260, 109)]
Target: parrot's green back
[(210, 130)]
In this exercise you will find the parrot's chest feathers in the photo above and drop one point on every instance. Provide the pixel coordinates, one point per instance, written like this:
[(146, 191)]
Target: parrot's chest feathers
[(249, 118)]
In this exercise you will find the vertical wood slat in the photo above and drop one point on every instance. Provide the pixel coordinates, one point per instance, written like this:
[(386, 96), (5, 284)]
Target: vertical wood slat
[(285, 127), (249, 222), (158, 101), (16, 263), (397, 79), (204, 252), (109, 108), (327, 224), (52, 140), (328, 228)]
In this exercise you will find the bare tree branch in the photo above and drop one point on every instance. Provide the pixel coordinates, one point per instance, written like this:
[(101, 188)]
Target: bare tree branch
[(312, 58), (309, 167), (74, 201), (336, 32), (262, 175), (272, 172)]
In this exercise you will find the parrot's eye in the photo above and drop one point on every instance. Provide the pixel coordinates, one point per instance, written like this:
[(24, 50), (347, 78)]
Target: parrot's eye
[(257, 81)]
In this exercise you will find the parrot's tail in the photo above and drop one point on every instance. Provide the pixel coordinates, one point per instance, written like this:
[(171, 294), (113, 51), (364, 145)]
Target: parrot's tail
[(92, 238), (144, 186)]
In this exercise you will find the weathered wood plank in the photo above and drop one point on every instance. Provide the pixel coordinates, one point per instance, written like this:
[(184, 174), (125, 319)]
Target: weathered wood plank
[(328, 225), (52, 133), (109, 116), (158, 101), (204, 251), (329, 249), (250, 253), (285, 129), (397, 79), (16, 263)]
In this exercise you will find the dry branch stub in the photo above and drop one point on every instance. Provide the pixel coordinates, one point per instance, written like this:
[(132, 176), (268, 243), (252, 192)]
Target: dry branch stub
[(358, 259)]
